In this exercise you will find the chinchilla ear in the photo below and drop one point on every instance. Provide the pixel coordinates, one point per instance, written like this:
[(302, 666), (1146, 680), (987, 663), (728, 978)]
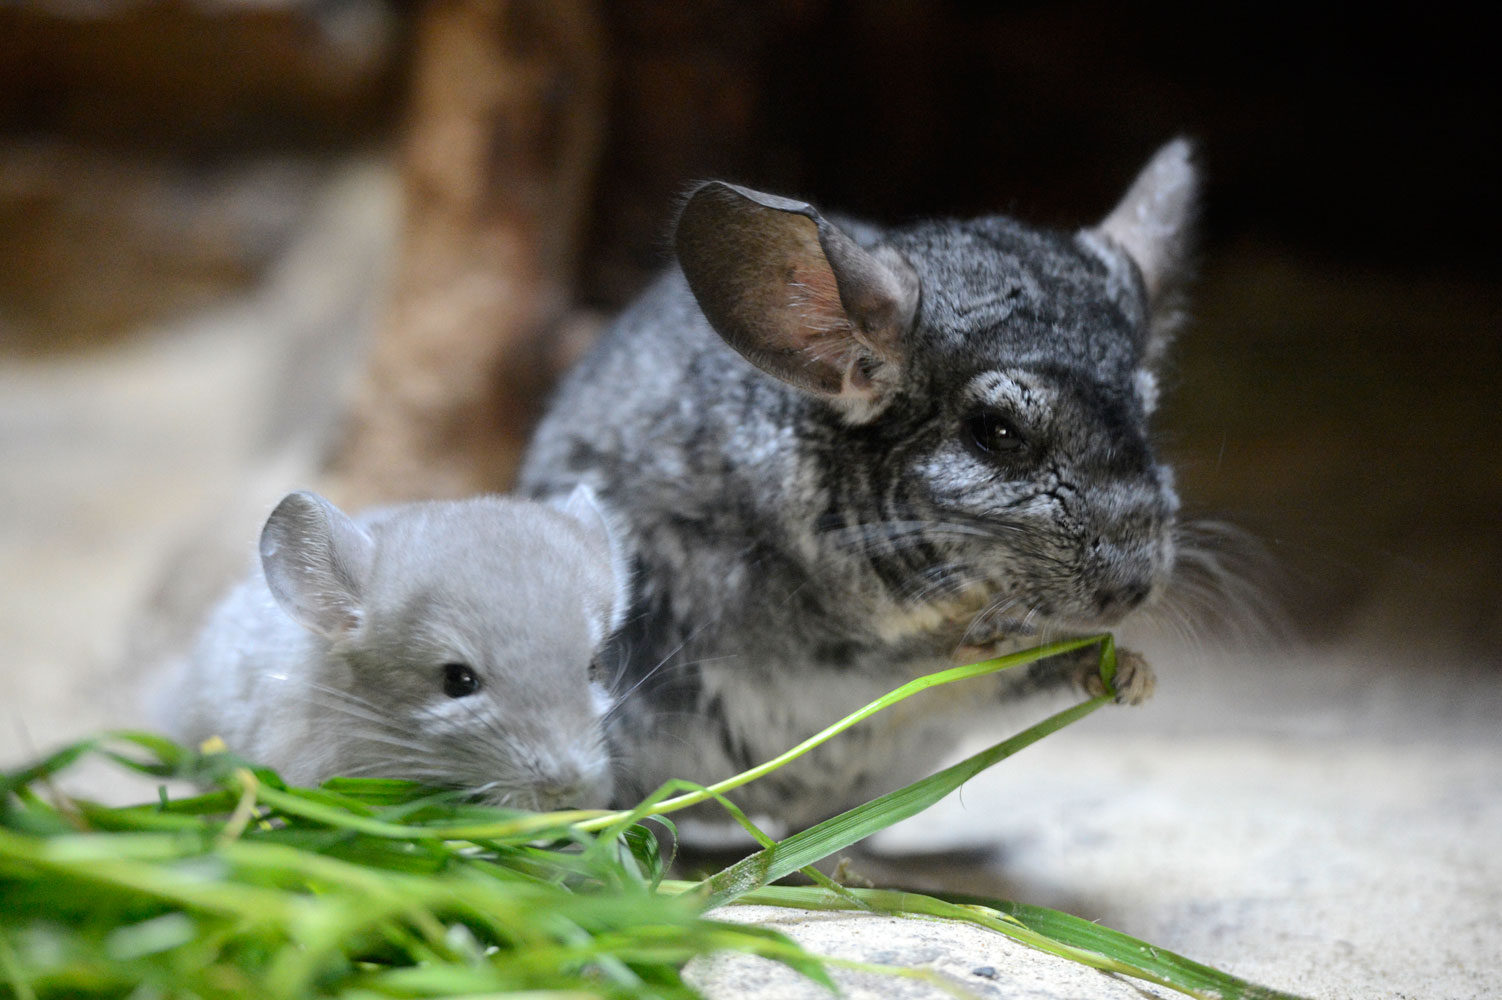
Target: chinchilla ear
[(584, 506), (316, 560), (796, 296), (1154, 223)]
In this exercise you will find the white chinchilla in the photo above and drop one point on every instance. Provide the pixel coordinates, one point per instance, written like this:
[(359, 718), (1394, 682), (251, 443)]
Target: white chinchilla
[(449, 642)]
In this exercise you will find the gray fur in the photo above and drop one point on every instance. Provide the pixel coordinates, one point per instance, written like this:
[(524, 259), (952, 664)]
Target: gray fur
[(803, 548), (330, 658)]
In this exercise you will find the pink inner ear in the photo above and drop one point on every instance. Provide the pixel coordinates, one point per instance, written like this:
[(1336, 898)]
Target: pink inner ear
[(814, 302)]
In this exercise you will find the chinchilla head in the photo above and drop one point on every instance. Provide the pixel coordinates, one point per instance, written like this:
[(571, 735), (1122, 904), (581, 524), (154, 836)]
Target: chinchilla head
[(460, 638), (981, 389)]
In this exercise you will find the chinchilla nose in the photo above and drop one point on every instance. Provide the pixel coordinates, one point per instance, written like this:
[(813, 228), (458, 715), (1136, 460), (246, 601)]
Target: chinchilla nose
[(582, 783), (1116, 602), (560, 787), (1122, 577)]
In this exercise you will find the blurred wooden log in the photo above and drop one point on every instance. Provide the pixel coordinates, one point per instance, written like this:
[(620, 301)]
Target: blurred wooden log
[(506, 124)]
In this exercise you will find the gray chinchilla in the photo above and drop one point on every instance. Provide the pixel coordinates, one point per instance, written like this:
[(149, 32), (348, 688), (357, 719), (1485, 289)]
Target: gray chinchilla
[(447, 642), (844, 452)]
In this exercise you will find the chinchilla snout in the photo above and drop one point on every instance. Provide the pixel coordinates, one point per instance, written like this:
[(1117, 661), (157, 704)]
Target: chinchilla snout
[(1125, 576), (571, 784), (1126, 560), (1086, 557)]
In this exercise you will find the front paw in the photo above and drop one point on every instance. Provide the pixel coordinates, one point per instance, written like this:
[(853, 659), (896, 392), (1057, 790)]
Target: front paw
[(977, 646), (1134, 680)]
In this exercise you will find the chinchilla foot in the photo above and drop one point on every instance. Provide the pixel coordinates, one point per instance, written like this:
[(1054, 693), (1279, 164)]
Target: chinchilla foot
[(1134, 683)]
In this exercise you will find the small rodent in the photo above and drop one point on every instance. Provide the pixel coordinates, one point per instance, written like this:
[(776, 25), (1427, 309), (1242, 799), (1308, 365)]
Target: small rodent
[(845, 452), (449, 642)]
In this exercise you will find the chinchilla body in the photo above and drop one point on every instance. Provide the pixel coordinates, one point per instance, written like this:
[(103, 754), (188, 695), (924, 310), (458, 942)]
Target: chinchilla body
[(845, 452)]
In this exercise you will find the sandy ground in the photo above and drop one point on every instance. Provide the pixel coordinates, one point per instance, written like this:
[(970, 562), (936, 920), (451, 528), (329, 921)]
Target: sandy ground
[(1321, 821)]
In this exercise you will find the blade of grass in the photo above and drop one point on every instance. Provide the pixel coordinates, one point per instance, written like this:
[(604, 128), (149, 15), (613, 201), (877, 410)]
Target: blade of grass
[(916, 686), (818, 842), (10, 972)]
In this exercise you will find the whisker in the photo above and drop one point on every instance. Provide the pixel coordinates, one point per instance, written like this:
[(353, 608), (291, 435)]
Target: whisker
[(663, 662)]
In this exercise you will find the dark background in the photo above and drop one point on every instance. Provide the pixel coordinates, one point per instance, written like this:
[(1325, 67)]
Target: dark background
[(1335, 394)]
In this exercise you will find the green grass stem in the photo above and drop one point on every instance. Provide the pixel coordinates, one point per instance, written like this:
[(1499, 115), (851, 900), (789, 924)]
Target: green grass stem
[(906, 691)]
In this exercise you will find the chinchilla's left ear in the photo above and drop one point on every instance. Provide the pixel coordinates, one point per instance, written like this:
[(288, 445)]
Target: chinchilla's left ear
[(1155, 225), (797, 296), (584, 506), (316, 561)]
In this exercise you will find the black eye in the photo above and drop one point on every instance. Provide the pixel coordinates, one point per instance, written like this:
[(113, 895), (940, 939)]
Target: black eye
[(994, 434), (459, 680)]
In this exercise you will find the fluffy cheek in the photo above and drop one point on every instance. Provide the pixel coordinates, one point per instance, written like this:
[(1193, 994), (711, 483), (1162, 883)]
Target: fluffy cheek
[(962, 483), (451, 717)]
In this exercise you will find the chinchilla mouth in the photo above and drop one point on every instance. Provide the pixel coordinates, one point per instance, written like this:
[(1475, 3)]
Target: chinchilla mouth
[(1013, 626)]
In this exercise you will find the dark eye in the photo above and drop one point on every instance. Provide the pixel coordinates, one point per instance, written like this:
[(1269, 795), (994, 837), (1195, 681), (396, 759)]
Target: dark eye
[(459, 680), (994, 434)]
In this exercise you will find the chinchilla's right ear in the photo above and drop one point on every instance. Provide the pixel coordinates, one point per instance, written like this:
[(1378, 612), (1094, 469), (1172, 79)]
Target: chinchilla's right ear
[(796, 296), (316, 560), (1155, 224), (584, 506)]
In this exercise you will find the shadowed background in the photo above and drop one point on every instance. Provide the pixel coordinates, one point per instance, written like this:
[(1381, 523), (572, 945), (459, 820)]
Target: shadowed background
[(1335, 394)]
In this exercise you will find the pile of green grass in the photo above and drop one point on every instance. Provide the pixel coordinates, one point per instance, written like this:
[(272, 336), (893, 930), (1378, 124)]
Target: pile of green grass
[(368, 888)]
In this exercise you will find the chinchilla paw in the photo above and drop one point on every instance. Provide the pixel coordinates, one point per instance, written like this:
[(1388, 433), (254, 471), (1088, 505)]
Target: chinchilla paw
[(972, 652), (1134, 681)]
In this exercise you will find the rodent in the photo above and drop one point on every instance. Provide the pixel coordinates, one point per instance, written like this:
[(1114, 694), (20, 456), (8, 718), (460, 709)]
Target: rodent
[(449, 642), (845, 451)]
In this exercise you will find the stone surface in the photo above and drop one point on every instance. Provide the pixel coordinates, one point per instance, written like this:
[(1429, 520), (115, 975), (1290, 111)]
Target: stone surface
[(947, 956)]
